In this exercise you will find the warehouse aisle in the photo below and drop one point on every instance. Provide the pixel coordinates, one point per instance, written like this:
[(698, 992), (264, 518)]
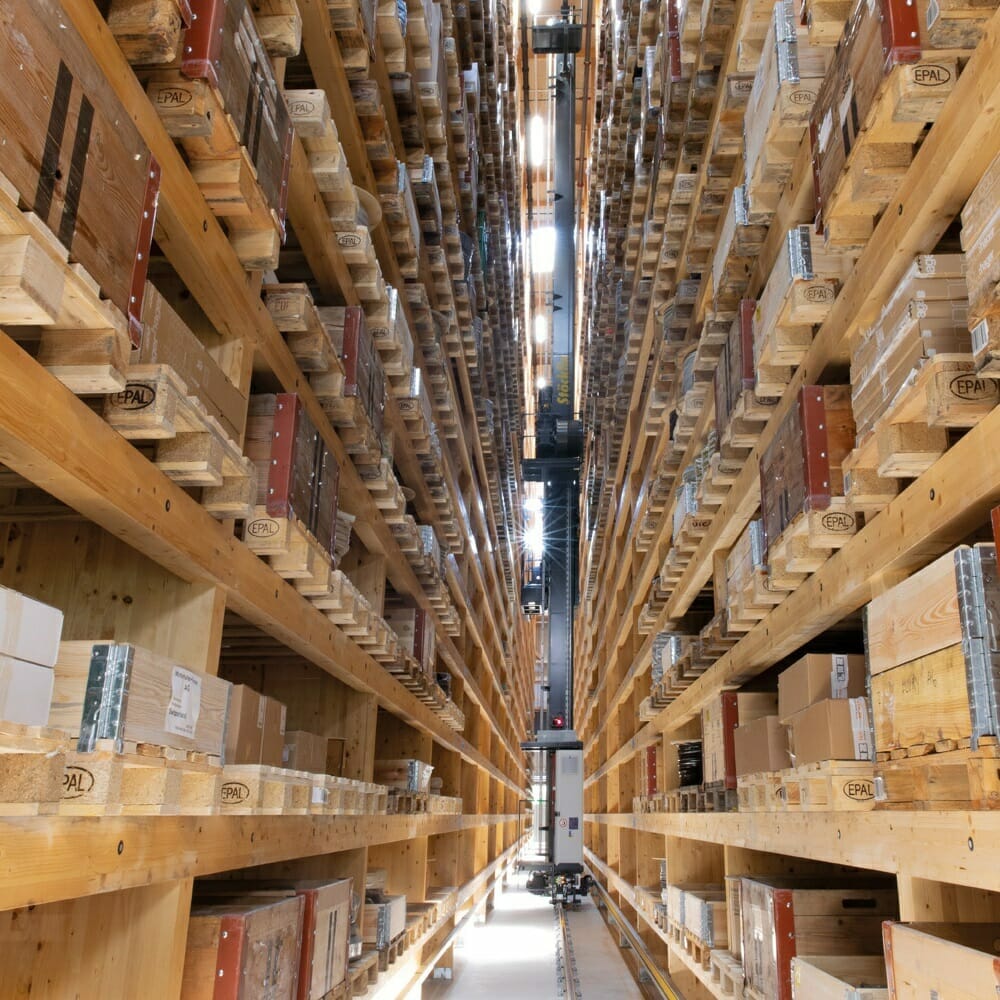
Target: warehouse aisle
[(513, 955)]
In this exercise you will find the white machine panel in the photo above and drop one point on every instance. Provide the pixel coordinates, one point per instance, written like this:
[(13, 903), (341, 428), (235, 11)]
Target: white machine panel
[(567, 843)]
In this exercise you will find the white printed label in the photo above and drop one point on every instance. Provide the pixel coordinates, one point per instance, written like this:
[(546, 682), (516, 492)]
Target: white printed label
[(185, 703), (980, 336), (861, 729), (844, 110), (825, 130), (838, 677)]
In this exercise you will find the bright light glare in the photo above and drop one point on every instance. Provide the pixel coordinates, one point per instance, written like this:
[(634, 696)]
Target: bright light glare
[(540, 382), (534, 6), (536, 140), (543, 249), (541, 328), (533, 539), (532, 504)]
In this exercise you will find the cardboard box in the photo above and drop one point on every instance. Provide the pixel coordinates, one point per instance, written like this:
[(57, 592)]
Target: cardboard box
[(272, 741), (817, 676), (761, 745), (120, 692), (245, 726), (242, 950), (25, 691), (832, 729), (719, 719), (305, 752), (29, 630)]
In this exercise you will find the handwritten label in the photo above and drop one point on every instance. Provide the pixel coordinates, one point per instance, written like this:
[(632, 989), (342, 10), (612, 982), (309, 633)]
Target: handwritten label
[(185, 703)]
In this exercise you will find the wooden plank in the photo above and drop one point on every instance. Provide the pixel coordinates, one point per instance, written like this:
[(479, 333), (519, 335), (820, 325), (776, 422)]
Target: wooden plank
[(57, 857), (915, 618), (922, 702), (955, 847), (954, 960), (114, 944)]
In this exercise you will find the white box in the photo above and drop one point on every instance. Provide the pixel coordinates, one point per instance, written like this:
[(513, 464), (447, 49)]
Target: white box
[(25, 691), (29, 630)]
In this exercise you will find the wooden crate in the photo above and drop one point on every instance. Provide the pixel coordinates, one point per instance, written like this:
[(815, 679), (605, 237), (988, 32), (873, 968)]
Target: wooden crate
[(781, 918), (73, 153), (297, 474), (800, 474), (839, 977), (957, 961), (944, 611), (253, 948), (325, 923), (121, 692)]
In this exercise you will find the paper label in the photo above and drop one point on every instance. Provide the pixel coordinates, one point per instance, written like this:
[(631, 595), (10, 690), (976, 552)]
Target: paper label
[(838, 677), (825, 131), (185, 703), (844, 109), (861, 730), (980, 336)]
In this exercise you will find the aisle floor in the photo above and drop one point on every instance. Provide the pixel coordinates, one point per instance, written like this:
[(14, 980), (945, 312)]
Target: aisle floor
[(513, 954)]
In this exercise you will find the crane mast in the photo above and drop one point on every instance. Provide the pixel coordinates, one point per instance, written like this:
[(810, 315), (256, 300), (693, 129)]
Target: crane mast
[(556, 465)]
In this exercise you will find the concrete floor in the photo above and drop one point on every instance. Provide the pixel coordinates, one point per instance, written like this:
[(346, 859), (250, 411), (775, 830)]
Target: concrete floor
[(513, 954)]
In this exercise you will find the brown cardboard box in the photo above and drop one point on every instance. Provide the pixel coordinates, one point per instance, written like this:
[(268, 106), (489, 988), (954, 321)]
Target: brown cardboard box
[(832, 729), (272, 742), (761, 745), (817, 676), (305, 752), (245, 726), (719, 719)]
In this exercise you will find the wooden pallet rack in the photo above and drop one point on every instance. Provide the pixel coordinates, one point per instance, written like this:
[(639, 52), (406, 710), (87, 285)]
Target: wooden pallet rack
[(656, 580), (158, 556)]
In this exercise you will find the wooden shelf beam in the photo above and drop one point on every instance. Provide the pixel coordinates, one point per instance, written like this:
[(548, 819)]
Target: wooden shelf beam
[(48, 858), (962, 848)]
